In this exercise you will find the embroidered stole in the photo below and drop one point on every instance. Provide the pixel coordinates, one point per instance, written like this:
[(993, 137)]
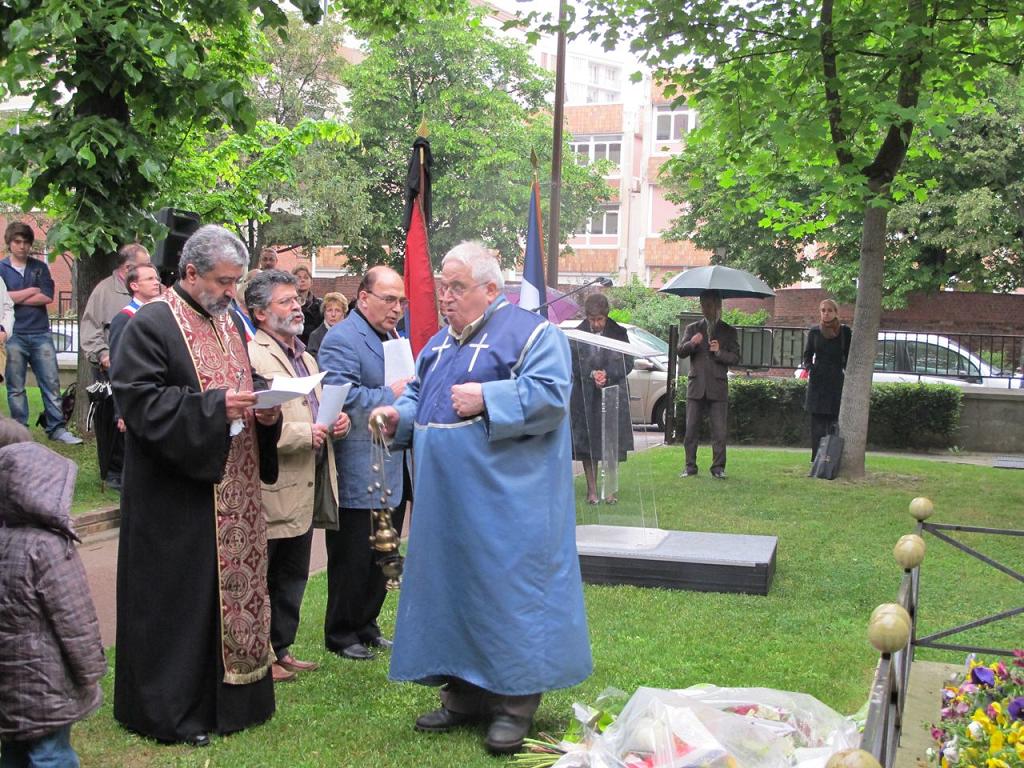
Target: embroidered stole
[(220, 359)]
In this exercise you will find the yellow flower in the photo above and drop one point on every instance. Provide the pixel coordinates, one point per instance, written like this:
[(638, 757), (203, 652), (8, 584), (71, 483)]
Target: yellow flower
[(995, 762), (995, 742)]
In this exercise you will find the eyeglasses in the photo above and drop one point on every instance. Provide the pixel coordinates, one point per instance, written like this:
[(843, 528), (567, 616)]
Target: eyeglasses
[(288, 301), (457, 290), (391, 300)]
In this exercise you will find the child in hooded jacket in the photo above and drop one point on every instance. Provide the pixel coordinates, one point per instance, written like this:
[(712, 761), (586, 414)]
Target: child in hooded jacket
[(51, 655)]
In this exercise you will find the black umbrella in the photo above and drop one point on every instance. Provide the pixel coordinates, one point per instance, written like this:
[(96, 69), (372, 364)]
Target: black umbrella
[(730, 283)]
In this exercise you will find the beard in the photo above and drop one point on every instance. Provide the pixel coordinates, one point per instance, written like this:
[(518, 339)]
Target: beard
[(286, 326), (213, 302)]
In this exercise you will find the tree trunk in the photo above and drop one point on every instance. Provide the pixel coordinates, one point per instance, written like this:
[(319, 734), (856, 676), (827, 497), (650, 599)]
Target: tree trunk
[(89, 271), (856, 404)]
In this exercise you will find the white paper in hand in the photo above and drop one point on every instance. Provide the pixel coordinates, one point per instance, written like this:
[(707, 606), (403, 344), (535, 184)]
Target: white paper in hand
[(332, 403), (285, 388), (398, 362)]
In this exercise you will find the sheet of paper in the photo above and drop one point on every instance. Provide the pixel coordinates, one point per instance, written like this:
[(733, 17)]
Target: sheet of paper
[(285, 388), (398, 362), (332, 403)]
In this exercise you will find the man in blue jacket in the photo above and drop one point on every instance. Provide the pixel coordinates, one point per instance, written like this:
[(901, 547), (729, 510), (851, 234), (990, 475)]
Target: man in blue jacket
[(30, 286), (352, 352)]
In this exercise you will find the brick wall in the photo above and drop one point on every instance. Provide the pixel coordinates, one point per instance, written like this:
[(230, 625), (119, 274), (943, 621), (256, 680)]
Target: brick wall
[(594, 118), (596, 260), (943, 313)]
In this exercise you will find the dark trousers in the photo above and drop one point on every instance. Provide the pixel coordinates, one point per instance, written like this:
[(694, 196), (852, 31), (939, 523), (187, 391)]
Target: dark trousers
[(718, 413), (287, 573), (467, 699), (355, 583), (821, 423)]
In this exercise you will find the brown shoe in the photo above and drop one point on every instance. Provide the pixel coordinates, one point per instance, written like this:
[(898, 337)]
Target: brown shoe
[(280, 674), (292, 664)]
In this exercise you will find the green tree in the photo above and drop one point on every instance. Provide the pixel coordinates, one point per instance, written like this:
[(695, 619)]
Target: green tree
[(832, 95), (966, 232), (484, 102), (109, 82)]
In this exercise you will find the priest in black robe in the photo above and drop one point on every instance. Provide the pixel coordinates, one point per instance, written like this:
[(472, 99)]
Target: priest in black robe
[(193, 613)]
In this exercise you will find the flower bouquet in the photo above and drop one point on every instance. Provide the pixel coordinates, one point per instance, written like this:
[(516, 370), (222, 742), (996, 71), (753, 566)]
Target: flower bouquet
[(982, 717), (698, 727)]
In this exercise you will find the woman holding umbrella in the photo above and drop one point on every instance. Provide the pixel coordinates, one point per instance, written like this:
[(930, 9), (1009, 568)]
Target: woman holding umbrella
[(595, 369), (828, 345)]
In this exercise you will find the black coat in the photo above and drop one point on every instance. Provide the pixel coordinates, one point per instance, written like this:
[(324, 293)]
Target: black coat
[(585, 405), (826, 361)]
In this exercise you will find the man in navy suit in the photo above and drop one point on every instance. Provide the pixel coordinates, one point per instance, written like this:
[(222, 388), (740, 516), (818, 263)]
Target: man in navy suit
[(353, 352)]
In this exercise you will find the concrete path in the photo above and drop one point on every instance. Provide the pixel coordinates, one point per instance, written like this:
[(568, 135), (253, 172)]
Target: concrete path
[(920, 710)]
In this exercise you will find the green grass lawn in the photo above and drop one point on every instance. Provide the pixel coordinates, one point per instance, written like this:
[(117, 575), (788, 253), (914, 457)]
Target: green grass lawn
[(89, 494), (808, 634)]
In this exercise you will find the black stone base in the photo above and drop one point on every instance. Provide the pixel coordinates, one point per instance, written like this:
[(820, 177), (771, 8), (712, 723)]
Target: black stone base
[(703, 562)]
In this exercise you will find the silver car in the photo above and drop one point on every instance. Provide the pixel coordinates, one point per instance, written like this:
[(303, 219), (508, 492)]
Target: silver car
[(648, 381)]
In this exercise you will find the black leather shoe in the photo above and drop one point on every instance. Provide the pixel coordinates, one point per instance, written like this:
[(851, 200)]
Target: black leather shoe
[(357, 651), (379, 642), (199, 740), (441, 720), (720, 475), (506, 734)]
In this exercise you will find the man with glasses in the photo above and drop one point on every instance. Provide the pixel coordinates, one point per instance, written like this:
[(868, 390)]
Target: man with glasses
[(492, 602), (30, 287), (306, 490), (353, 352)]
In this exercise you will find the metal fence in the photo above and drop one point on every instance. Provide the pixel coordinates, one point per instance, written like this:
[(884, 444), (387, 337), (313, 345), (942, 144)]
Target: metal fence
[(884, 723), (972, 357)]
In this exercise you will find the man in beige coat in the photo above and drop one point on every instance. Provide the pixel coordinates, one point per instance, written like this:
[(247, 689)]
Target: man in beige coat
[(307, 479)]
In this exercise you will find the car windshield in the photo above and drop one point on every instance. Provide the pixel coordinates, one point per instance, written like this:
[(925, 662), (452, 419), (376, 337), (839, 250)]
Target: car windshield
[(647, 339)]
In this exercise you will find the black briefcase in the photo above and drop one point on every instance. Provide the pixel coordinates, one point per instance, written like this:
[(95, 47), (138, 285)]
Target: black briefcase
[(826, 462)]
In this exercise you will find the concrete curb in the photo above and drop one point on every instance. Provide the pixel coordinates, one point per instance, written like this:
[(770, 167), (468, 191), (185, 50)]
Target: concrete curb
[(97, 521)]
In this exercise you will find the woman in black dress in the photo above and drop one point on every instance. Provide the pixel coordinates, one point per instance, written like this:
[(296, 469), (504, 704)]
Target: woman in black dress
[(594, 369), (828, 345)]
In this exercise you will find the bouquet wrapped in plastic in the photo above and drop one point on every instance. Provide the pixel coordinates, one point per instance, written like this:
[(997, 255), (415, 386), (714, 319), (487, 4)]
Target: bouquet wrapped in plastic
[(706, 727)]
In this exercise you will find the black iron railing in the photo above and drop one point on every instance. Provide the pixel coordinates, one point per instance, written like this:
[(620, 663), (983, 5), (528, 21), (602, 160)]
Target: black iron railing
[(884, 723), (972, 357)]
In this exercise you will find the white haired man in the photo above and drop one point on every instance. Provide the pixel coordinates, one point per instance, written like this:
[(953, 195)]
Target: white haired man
[(492, 602)]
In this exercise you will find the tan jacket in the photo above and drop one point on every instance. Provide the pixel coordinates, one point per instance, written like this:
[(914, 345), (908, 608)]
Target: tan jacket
[(288, 503), (108, 298)]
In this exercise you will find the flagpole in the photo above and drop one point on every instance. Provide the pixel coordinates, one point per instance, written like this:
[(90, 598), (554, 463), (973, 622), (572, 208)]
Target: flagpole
[(556, 153)]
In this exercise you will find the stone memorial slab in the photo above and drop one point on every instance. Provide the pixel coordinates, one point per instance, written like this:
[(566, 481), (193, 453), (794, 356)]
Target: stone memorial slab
[(650, 557)]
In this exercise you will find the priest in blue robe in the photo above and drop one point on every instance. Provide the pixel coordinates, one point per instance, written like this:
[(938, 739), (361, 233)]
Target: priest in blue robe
[(492, 601)]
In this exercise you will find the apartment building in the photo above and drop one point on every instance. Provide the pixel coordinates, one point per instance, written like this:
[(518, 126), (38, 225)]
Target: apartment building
[(635, 127)]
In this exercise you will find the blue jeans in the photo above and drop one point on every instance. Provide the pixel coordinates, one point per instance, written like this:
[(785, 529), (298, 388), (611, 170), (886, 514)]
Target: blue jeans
[(50, 751), (35, 349)]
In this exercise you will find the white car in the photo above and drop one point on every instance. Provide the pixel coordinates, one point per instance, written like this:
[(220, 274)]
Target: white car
[(64, 332), (931, 359), (648, 381)]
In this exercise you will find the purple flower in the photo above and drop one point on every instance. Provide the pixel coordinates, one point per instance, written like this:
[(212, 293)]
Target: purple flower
[(1016, 709), (983, 676)]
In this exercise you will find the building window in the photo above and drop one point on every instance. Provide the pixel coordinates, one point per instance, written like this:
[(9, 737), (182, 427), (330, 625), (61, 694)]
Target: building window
[(672, 124), (605, 221), (592, 82), (589, 149)]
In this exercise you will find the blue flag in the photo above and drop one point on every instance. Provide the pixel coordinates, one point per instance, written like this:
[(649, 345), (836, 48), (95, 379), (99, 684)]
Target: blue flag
[(533, 293)]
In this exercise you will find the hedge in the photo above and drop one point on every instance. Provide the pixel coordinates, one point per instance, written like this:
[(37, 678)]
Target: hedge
[(771, 411)]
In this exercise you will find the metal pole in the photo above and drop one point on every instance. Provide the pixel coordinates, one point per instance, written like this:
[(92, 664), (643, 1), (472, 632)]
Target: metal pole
[(554, 233)]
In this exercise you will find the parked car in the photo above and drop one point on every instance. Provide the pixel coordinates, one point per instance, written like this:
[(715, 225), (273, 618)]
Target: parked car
[(648, 381), (65, 341), (932, 359)]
